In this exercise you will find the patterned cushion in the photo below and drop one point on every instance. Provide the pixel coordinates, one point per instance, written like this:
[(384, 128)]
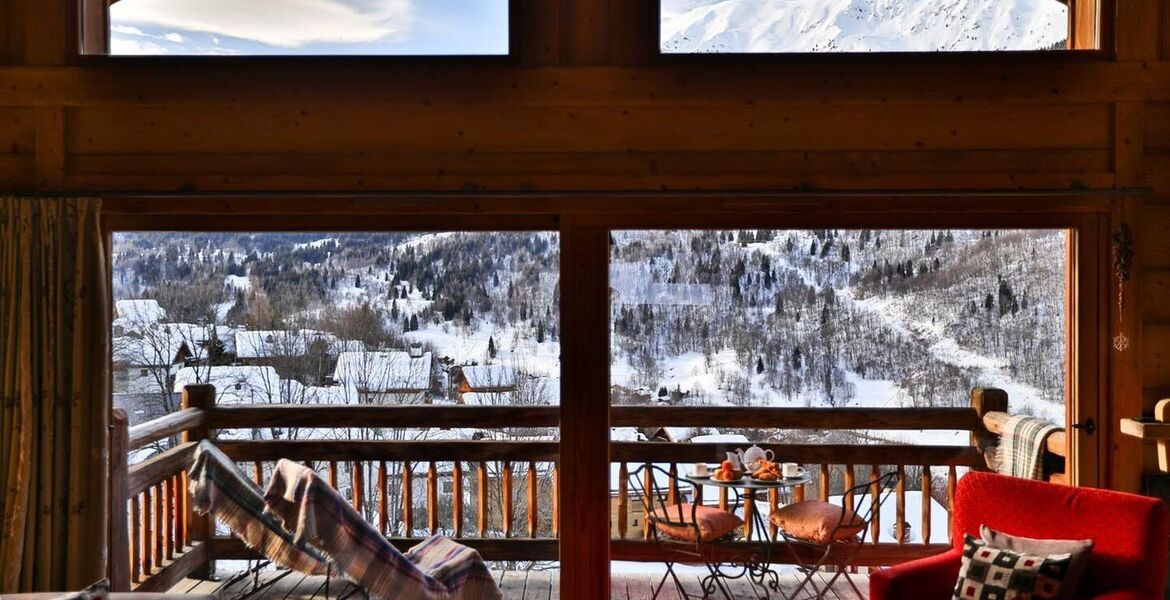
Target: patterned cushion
[(818, 522), (675, 521), (988, 573), (1080, 550)]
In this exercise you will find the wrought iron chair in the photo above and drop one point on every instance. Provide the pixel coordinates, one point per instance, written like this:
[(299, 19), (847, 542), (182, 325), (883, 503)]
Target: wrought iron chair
[(844, 541), (667, 509)]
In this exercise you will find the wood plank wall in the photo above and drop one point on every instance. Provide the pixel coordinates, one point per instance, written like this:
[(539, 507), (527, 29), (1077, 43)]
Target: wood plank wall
[(585, 105)]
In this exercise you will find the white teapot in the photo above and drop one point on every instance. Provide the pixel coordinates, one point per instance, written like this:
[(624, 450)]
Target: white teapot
[(752, 456)]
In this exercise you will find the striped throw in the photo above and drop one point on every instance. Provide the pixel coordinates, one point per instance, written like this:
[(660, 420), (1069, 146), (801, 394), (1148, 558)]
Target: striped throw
[(220, 489), (1021, 449), (436, 569)]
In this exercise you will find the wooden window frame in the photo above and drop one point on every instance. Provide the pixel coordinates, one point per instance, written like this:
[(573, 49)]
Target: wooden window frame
[(585, 221), (543, 32), (1090, 36), (93, 48)]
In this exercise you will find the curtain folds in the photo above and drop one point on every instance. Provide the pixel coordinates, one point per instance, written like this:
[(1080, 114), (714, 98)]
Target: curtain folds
[(54, 354)]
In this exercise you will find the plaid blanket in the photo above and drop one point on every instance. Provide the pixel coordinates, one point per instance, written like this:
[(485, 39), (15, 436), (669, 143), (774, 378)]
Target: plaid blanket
[(219, 488), (1021, 451), (436, 569)]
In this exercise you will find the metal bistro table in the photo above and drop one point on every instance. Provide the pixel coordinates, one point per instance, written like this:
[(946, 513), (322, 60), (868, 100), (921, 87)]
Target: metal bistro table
[(757, 567)]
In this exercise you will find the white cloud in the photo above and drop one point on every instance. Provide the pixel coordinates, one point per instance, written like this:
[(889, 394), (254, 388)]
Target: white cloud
[(175, 37), (123, 46), (284, 23), (128, 30)]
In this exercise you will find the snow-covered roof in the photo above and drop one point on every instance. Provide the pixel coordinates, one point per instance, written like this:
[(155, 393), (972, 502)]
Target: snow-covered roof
[(384, 371), (148, 349), (158, 344), (144, 310), (243, 384), (489, 377), (680, 434), (287, 343)]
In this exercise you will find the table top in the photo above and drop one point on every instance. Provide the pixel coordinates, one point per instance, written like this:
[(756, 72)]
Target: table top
[(747, 482)]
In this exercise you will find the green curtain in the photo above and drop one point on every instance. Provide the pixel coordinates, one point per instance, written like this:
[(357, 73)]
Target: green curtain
[(54, 353)]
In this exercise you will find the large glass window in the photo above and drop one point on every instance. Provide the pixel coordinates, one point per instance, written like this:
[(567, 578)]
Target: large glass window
[(309, 27), (781, 26), (768, 323), (324, 322)]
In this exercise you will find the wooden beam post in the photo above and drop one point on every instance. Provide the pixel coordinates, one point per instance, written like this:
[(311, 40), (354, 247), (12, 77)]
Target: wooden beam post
[(983, 401), (200, 527), (1124, 346), (119, 565), (584, 493)]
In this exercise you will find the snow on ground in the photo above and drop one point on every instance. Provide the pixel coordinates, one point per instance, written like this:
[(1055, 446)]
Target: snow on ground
[(238, 282), (900, 315), (315, 243)]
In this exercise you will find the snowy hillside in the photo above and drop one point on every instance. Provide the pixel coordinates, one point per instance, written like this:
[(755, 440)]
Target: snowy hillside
[(690, 26)]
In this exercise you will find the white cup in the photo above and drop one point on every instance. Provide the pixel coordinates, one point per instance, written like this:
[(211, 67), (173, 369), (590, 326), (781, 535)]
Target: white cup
[(700, 469), (791, 470)]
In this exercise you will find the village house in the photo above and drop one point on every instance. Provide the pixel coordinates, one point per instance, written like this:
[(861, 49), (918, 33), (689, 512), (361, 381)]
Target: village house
[(393, 377)]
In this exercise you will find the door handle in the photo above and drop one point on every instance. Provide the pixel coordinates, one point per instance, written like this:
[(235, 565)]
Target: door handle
[(1089, 427)]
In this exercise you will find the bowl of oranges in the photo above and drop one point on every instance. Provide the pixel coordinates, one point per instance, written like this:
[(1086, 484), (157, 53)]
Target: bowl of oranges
[(727, 472)]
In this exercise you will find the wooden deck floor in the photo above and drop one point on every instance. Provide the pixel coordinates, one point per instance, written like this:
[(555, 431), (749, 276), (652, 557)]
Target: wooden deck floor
[(516, 585)]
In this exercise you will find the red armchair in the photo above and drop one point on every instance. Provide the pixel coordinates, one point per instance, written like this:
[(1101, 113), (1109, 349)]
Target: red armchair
[(1131, 537)]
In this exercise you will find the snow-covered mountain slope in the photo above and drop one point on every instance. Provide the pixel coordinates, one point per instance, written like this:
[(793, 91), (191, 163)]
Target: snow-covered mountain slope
[(690, 26)]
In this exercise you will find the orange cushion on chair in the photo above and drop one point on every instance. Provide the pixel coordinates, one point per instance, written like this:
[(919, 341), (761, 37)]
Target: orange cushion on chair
[(817, 521), (712, 522)]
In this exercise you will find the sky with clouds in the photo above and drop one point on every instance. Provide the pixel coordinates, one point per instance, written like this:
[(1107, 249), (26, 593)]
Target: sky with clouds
[(309, 27)]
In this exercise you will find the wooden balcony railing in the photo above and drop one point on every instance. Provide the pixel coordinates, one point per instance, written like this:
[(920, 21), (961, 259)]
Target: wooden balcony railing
[(500, 497), (156, 539)]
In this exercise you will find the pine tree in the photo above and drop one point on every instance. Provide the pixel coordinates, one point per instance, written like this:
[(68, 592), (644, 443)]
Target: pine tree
[(414, 322), (357, 281), (491, 347), (812, 249), (797, 359), (540, 332), (760, 365), (845, 255)]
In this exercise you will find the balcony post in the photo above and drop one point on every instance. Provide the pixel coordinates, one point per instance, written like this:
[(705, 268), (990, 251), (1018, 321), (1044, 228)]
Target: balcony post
[(584, 456), (119, 565), (983, 401), (201, 528)]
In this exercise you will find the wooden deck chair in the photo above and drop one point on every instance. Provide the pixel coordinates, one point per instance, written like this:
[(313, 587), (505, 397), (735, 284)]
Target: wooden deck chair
[(436, 569), (218, 488)]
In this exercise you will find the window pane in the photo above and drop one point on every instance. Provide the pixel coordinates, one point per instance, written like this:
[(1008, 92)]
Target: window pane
[(839, 318), (779, 26), (348, 319), (447, 318), (309, 27)]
